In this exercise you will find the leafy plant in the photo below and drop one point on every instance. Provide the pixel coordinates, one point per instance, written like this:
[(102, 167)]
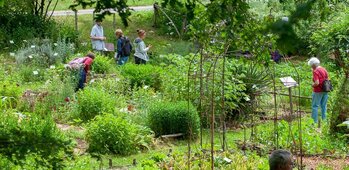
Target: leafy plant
[(102, 64), (113, 134), (174, 117), (44, 53), (26, 134), (32, 74), (140, 75), (9, 95), (95, 101)]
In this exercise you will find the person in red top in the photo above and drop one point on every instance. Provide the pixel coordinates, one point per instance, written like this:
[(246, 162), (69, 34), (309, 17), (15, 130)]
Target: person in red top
[(319, 98), (86, 69)]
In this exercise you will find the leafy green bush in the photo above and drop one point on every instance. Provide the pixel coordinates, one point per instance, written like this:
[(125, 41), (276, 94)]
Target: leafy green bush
[(44, 53), (9, 94), (340, 107), (143, 75), (22, 135), (95, 101), (111, 134), (174, 117), (102, 64)]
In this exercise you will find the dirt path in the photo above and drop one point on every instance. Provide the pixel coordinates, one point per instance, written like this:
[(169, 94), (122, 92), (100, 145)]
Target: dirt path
[(81, 144), (316, 162), (90, 11)]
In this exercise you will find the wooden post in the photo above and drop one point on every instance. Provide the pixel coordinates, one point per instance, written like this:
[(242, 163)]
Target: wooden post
[(156, 14), (184, 25), (76, 19), (114, 22)]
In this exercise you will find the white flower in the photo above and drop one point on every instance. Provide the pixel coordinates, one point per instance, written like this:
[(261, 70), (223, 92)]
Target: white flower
[(11, 42), (35, 72), (33, 46), (55, 54), (52, 67), (30, 56), (227, 160), (284, 19), (12, 54), (145, 87), (55, 44)]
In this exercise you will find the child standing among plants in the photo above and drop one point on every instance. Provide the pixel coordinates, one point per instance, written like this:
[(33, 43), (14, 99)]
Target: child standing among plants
[(124, 47), (141, 56)]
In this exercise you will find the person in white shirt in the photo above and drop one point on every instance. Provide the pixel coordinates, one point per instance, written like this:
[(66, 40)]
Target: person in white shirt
[(97, 37), (141, 56)]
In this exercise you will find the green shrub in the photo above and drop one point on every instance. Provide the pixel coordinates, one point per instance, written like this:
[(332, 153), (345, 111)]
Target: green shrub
[(44, 53), (143, 75), (9, 94), (95, 101), (23, 135), (102, 64), (117, 86), (111, 134), (173, 117), (32, 74)]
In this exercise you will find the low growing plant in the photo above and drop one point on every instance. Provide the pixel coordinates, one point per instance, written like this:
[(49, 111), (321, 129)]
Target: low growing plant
[(9, 94), (26, 134), (140, 75), (102, 64), (108, 133), (95, 101), (174, 117)]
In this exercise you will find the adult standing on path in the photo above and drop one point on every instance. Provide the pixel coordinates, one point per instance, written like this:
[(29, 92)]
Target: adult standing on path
[(124, 47), (141, 56), (319, 97), (97, 37)]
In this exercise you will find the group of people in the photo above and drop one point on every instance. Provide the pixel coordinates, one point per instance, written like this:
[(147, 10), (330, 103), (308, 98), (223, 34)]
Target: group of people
[(123, 51), (124, 46)]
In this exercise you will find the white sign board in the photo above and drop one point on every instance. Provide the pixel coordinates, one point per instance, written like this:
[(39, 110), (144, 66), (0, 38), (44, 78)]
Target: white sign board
[(288, 82)]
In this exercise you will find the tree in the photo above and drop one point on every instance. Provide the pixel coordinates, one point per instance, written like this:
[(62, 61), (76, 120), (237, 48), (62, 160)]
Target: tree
[(103, 7)]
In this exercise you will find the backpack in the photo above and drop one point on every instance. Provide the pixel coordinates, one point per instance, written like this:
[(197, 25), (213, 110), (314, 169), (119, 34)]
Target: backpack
[(77, 63), (326, 85), (126, 46)]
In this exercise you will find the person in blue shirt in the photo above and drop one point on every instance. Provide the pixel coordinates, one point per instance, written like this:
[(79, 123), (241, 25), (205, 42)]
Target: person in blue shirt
[(124, 47), (97, 37)]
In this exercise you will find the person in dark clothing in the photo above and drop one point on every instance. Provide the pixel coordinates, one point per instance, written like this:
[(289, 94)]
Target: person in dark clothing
[(124, 47)]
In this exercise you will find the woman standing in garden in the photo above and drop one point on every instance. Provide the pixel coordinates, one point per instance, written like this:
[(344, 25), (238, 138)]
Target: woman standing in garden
[(319, 97), (141, 56)]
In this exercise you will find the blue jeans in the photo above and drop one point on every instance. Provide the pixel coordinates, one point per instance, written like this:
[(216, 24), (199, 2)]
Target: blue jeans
[(82, 80), (319, 99), (122, 60)]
